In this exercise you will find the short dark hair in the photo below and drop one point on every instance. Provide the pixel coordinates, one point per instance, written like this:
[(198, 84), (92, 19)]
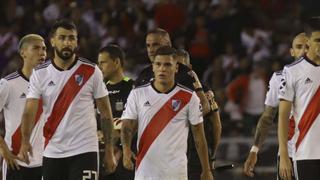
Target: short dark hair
[(114, 52), (159, 31), (62, 23), (166, 51), (311, 25), (185, 54)]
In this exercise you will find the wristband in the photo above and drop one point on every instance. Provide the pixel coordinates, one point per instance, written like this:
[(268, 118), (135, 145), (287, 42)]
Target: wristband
[(198, 89), (215, 110), (254, 149)]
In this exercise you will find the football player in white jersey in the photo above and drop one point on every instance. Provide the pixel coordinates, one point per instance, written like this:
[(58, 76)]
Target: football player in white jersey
[(297, 50), (13, 90), (161, 111), (299, 92), (68, 86)]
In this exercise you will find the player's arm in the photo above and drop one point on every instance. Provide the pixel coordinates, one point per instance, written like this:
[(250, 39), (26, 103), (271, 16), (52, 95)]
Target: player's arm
[(283, 124), (216, 123), (27, 124), (4, 150), (202, 149), (262, 130), (200, 93), (106, 121), (128, 129)]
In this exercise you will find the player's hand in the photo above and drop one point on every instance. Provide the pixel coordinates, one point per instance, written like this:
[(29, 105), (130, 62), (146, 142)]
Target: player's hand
[(197, 83), (250, 164), (25, 151), (110, 163), (127, 160), (285, 168), (10, 159), (206, 175)]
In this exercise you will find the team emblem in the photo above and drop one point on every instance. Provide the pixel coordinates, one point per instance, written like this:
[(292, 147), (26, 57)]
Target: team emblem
[(79, 79), (175, 104)]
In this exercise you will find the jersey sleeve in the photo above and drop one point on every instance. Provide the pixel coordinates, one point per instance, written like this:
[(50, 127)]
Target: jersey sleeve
[(99, 87), (195, 110), (4, 93), (130, 109), (272, 94), (286, 89), (34, 90)]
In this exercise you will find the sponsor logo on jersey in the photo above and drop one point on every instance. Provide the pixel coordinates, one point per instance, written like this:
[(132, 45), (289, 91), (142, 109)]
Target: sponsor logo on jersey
[(147, 103), (119, 106), (175, 104), (114, 92), (308, 81), (51, 83), (79, 79), (23, 95)]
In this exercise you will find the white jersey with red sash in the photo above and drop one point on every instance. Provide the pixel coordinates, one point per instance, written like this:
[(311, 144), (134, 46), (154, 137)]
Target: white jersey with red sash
[(273, 101), (163, 125), (301, 86), (13, 92), (68, 103)]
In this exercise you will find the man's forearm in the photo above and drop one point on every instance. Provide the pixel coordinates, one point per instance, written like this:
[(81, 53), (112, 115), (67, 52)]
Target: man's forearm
[(28, 119), (217, 128), (107, 130), (126, 136), (283, 122), (204, 102), (201, 146), (264, 124)]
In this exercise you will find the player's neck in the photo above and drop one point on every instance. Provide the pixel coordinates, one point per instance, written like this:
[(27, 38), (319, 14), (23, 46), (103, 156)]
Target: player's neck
[(163, 87), (26, 71), (116, 78), (313, 57), (64, 64)]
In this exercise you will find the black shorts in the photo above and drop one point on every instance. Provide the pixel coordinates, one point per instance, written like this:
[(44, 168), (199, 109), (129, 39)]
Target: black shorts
[(78, 167), (24, 173), (307, 169), (278, 170)]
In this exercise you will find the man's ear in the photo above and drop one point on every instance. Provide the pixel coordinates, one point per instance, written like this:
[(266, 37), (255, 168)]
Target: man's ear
[(52, 41), (177, 67), (292, 52)]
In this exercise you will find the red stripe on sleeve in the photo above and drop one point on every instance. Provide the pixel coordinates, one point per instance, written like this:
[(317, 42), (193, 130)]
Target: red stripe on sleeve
[(308, 118), (72, 87), (159, 121), (16, 137)]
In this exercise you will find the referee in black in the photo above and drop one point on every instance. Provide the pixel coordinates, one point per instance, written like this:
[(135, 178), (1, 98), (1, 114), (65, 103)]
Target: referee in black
[(110, 61), (185, 76)]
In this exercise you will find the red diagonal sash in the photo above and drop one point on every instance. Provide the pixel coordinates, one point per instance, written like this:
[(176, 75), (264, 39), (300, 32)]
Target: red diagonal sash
[(72, 87), (16, 137), (308, 117), (159, 121)]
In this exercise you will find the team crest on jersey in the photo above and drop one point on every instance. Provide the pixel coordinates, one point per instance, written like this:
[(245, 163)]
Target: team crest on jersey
[(175, 104), (79, 79)]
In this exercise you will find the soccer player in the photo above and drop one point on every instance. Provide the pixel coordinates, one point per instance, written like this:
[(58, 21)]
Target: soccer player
[(185, 76), (300, 92), (111, 59), (68, 86), (161, 111), (13, 90), (266, 120), (212, 127)]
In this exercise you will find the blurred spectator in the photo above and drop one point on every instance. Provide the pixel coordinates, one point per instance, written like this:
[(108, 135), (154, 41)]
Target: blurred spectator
[(246, 97)]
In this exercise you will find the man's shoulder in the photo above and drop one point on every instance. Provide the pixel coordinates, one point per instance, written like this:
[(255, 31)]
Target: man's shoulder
[(11, 76), (43, 65), (86, 61)]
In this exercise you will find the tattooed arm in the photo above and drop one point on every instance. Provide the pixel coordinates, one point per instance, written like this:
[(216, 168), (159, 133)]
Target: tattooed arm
[(104, 107), (129, 128), (264, 124), (263, 127)]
